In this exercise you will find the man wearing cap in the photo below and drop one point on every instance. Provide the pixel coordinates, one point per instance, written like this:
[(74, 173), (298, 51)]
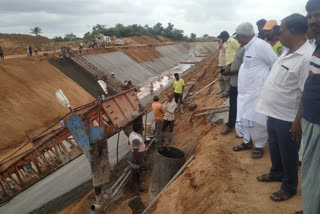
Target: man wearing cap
[(231, 48), (271, 31), (280, 100), (260, 25), (136, 157), (257, 62), (158, 112), (169, 106)]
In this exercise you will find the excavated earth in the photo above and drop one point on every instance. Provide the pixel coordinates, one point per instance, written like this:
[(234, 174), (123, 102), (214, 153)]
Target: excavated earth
[(218, 180)]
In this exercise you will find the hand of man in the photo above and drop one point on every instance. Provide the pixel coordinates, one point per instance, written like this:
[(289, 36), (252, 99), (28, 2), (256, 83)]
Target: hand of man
[(296, 131), (226, 72)]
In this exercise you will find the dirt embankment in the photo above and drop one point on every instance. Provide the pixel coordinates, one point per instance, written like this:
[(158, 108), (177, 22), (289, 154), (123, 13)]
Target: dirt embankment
[(27, 99), (141, 40), (16, 44)]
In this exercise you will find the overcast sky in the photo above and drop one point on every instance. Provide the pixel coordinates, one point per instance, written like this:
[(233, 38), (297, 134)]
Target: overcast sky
[(59, 17)]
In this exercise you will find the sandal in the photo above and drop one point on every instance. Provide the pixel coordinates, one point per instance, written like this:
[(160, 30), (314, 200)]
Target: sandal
[(268, 178), (257, 153), (281, 195), (241, 147)]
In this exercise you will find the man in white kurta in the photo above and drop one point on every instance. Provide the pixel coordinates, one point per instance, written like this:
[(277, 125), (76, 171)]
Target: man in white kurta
[(258, 60)]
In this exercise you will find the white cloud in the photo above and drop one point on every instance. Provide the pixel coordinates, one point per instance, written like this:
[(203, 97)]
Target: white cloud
[(59, 17)]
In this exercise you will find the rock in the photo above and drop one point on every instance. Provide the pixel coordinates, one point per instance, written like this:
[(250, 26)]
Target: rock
[(192, 107), (218, 118)]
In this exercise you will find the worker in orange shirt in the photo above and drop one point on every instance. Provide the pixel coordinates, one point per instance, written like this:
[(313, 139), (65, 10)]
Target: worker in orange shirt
[(158, 112)]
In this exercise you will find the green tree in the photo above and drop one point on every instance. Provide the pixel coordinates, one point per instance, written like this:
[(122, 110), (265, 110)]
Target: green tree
[(87, 36), (36, 30), (158, 29), (98, 28), (205, 36), (58, 39), (193, 37), (70, 37)]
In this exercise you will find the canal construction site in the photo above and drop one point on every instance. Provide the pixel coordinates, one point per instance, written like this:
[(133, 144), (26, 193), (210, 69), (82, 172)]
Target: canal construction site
[(47, 158)]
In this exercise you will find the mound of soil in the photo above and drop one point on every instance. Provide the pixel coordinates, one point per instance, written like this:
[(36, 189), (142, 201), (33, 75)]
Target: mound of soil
[(140, 40), (17, 43)]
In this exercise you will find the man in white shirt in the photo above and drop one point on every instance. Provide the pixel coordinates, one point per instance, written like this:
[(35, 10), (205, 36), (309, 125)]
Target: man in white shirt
[(280, 101), (169, 106), (258, 60)]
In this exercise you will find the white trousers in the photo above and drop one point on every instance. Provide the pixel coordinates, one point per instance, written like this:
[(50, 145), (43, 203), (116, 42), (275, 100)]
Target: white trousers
[(251, 130), (301, 149)]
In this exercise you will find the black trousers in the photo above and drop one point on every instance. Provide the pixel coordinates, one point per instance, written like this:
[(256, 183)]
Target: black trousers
[(283, 153), (233, 95), (178, 98), (166, 124)]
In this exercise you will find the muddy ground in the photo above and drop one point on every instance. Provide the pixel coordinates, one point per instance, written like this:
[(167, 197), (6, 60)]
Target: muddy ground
[(218, 180)]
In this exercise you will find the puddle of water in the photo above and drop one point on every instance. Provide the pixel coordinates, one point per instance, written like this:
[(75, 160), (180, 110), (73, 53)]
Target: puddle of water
[(163, 80)]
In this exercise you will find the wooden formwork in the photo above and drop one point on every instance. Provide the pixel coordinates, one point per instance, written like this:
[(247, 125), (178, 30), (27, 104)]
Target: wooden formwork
[(56, 146)]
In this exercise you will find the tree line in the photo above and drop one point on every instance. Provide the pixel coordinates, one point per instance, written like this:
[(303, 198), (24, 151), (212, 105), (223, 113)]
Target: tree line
[(120, 30)]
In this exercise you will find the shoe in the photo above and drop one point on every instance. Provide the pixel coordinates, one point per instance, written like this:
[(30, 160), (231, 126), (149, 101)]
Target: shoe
[(226, 130)]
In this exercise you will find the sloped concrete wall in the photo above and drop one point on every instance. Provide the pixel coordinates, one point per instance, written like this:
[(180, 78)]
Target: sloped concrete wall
[(126, 68), (122, 66)]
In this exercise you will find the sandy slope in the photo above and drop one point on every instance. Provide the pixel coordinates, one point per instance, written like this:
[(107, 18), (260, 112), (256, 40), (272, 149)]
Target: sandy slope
[(27, 98)]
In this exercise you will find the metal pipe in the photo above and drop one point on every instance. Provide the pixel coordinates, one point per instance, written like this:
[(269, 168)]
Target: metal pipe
[(118, 146), (145, 125), (213, 108), (99, 107), (164, 188), (198, 92), (212, 112)]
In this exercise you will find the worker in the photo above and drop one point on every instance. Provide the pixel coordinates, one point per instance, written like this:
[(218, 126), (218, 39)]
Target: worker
[(169, 106), (260, 25), (30, 50), (271, 34), (280, 101), (257, 62), (54, 47), (1, 53), (151, 89), (232, 46), (36, 50), (158, 112), (233, 94), (137, 152), (178, 88), (222, 66)]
